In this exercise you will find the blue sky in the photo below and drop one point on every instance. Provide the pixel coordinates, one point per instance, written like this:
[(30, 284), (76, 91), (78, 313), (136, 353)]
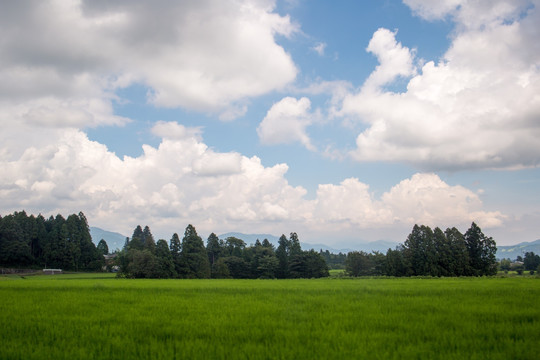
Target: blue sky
[(344, 121)]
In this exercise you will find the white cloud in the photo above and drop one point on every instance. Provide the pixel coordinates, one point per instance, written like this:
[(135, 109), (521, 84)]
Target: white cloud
[(394, 59), (426, 199), (215, 164), (476, 108), (183, 181), (286, 122), (319, 48), (174, 130), (432, 10), (62, 67)]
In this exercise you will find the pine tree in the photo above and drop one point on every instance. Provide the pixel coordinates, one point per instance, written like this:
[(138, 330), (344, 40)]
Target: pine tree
[(176, 248), (459, 265), (165, 260), (482, 250), (137, 239), (282, 254), (213, 249), (148, 240), (194, 253)]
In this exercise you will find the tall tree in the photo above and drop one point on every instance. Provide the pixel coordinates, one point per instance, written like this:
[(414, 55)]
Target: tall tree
[(531, 261), (396, 264), (213, 249), (194, 253), (137, 239), (419, 251), (102, 247), (282, 254), (459, 265), (482, 250), (165, 260), (175, 247), (148, 240), (443, 252)]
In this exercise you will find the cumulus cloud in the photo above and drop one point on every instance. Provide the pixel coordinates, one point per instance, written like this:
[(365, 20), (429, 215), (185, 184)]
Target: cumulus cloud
[(286, 122), (476, 108), (395, 60), (63, 67), (183, 181)]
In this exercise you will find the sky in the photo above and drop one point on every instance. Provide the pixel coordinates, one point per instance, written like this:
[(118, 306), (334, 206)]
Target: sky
[(344, 121)]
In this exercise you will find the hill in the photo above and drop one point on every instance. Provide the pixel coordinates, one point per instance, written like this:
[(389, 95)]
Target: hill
[(513, 251), (380, 245), (114, 240)]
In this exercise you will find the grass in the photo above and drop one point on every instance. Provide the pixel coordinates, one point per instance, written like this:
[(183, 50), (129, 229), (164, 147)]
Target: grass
[(95, 316)]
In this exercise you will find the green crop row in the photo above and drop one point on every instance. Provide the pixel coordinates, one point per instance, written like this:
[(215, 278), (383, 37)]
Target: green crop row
[(93, 316)]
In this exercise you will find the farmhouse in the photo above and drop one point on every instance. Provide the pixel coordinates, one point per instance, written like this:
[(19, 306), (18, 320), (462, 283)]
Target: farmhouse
[(52, 271)]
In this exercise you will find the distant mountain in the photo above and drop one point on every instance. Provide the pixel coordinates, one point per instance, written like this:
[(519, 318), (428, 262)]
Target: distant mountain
[(380, 245), (513, 251), (114, 240)]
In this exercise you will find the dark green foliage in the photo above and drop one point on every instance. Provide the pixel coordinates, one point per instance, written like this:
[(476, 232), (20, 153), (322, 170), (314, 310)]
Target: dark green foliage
[(314, 265), (137, 239), (142, 264), (396, 264), (220, 269), (229, 258), (435, 253), (282, 254), (267, 267), (28, 241), (334, 261), (531, 261), (148, 239), (482, 251), (175, 248), (194, 254), (419, 251), (459, 264), (359, 263), (166, 268), (234, 246), (103, 247), (213, 249), (505, 264), (237, 266)]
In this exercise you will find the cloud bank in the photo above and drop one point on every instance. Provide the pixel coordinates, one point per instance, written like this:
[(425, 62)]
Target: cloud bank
[(63, 66), (184, 181), (477, 107)]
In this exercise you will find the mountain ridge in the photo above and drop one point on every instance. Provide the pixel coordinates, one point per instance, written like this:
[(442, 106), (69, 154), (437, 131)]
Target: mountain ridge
[(116, 241)]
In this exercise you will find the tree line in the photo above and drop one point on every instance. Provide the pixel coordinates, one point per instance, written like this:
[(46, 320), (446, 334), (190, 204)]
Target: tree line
[(56, 242), (189, 258), (530, 262), (428, 252)]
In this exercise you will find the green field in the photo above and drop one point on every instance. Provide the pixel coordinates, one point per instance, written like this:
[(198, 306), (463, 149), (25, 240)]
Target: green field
[(94, 316)]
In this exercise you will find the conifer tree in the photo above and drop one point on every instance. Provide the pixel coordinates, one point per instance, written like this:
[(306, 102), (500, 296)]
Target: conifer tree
[(194, 254), (482, 250), (282, 254)]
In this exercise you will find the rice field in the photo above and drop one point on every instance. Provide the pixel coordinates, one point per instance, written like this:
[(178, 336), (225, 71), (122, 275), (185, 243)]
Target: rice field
[(96, 316)]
